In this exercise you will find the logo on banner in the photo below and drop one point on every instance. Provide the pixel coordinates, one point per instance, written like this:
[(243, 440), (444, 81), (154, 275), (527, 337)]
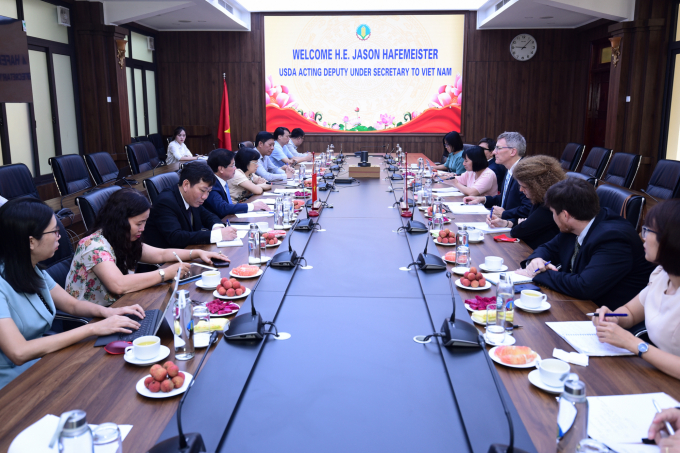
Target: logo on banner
[(363, 32)]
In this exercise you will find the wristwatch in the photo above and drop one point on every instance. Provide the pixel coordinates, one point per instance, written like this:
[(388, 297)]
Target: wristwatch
[(642, 348), (162, 273)]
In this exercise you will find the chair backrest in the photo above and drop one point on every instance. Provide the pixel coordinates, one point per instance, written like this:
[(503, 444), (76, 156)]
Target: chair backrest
[(141, 138), (16, 181), (573, 174), (156, 184), (596, 162), (138, 158), (102, 167), (623, 201), (665, 181), (91, 203), (154, 160), (70, 173), (59, 265), (157, 140), (246, 144), (571, 156), (467, 146), (622, 169)]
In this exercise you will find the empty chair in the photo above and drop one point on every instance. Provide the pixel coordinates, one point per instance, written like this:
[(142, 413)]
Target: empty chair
[(571, 156), (140, 138), (622, 201), (467, 146), (622, 169), (16, 181), (154, 159), (665, 181), (573, 174), (246, 144), (90, 204), (596, 162), (102, 167), (70, 173), (157, 141), (156, 184), (138, 158)]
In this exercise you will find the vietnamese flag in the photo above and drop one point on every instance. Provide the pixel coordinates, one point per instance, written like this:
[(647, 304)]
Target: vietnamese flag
[(224, 133)]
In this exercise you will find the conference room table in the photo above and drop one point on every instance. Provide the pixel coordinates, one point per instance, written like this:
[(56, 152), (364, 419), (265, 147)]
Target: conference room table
[(350, 376)]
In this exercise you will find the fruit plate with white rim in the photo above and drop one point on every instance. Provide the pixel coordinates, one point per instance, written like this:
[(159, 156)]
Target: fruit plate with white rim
[(453, 262), (545, 305), (535, 378), (533, 363), (452, 244), (509, 340), (273, 245), (215, 315), (484, 267), (487, 285), (201, 285), (245, 293), (470, 309), (142, 390), (130, 357), (256, 274)]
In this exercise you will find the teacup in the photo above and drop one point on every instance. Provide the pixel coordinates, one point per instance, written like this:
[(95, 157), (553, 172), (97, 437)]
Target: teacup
[(211, 278), (493, 263), (475, 235), (145, 348), (553, 372), (532, 299), (263, 226)]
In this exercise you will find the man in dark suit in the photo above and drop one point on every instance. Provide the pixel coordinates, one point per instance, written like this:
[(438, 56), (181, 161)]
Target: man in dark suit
[(601, 254), (221, 162), (511, 203), (178, 218), (489, 145)]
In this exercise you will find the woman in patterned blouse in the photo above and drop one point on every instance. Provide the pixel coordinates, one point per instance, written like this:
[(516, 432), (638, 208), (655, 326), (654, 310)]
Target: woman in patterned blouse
[(103, 266)]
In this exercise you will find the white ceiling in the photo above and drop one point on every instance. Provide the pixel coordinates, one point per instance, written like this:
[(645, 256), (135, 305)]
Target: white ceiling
[(234, 15)]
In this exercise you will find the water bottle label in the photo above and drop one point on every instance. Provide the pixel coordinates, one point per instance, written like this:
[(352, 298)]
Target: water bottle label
[(565, 417)]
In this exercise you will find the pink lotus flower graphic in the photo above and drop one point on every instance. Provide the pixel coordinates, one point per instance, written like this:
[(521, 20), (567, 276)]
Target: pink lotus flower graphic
[(449, 94), (278, 95)]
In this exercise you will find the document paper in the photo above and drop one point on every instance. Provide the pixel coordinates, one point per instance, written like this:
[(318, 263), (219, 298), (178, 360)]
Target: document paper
[(582, 336), (514, 278), (462, 208), (482, 226)]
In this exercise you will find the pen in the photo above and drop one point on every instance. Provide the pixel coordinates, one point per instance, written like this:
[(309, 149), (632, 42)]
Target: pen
[(177, 257), (669, 428), (617, 315), (491, 213), (546, 264)]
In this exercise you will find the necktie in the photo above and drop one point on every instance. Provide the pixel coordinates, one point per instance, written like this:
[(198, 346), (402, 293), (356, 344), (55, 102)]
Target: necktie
[(573, 257), (191, 220), (505, 189), (226, 190)]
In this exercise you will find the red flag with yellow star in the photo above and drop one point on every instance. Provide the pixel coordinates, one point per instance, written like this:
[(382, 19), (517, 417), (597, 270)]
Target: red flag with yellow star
[(224, 133)]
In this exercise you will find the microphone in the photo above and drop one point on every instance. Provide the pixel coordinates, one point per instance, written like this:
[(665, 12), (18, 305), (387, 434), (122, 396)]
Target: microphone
[(414, 226), (429, 262), (650, 195), (192, 441), (456, 332), (289, 259), (499, 448), (153, 172), (304, 224)]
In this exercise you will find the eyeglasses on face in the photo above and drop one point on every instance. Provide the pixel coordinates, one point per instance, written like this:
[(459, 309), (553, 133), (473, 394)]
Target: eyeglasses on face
[(504, 147), (646, 230), (56, 232)]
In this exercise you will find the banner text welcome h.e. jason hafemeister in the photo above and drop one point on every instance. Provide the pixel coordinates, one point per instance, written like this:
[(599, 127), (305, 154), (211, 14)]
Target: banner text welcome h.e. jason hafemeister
[(393, 73)]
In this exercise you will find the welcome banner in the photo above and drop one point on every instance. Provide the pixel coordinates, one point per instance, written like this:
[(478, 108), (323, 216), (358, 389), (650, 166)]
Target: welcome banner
[(373, 74)]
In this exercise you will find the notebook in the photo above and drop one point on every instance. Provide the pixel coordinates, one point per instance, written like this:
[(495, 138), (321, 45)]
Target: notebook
[(516, 279), (582, 336), (482, 226)]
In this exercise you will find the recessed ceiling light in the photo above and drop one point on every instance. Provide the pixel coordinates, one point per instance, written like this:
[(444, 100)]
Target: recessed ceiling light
[(184, 21), (547, 17)]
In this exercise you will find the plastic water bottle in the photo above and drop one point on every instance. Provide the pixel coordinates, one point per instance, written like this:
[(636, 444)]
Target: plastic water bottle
[(462, 247), (278, 213), (572, 415), (183, 326), (331, 151), (505, 295), (254, 243), (302, 174), (421, 164), (427, 191), (437, 214), (73, 433), (287, 209), (495, 329)]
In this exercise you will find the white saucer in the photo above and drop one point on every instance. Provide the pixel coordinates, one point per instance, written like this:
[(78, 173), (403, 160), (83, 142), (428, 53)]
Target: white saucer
[(146, 392), (470, 288), (263, 260), (130, 358), (508, 341), (472, 241), (460, 270), (483, 267), (535, 378), (281, 227), (543, 307), (200, 284)]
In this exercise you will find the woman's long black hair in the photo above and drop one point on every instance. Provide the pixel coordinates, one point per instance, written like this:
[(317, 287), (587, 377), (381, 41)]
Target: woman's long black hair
[(20, 219), (115, 226)]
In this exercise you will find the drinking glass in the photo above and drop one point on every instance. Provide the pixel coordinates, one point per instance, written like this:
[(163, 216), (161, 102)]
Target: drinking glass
[(201, 322), (495, 329), (107, 436), (463, 256)]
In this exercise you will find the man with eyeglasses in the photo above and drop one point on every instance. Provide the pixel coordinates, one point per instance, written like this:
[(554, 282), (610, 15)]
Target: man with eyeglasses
[(221, 162), (597, 255), (511, 203)]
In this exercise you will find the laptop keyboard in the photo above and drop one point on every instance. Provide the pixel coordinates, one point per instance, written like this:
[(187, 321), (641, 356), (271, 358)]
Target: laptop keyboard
[(147, 326)]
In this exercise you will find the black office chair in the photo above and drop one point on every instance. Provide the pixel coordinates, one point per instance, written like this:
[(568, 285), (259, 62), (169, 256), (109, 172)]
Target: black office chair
[(140, 139), (622, 169), (573, 174), (467, 146), (596, 162), (665, 181), (90, 204), (156, 184), (623, 201), (70, 173), (571, 156), (138, 158), (157, 140), (154, 159), (102, 167), (16, 181), (246, 144)]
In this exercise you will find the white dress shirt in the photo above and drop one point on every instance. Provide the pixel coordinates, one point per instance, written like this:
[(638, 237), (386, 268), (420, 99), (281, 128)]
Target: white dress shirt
[(216, 233), (177, 152)]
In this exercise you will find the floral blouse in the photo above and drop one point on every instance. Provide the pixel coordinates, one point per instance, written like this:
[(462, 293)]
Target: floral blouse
[(81, 282)]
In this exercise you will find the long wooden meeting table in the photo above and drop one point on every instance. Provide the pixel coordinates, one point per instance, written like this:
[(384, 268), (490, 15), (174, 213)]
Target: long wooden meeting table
[(88, 378)]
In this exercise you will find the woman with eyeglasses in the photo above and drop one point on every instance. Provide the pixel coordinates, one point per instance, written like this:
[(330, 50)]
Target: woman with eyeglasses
[(245, 182), (658, 305), (488, 145), (177, 150), (29, 297), (454, 161)]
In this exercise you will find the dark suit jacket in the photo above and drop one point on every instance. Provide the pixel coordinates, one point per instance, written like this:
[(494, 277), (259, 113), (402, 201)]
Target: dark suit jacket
[(169, 227), (220, 204), (517, 205), (500, 171), (610, 268), (537, 229)]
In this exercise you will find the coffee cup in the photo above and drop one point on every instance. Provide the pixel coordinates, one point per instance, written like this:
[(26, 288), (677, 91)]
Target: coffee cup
[(263, 226), (475, 235), (211, 278), (493, 263), (532, 299), (553, 372), (145, 348)]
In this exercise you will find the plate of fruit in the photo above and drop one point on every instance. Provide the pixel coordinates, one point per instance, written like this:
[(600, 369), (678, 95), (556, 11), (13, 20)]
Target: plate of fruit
[(271, 239), (514, 356), (221, 308), (303, 193), (278, 233), (450, 257), (164, 381), (230, 288), (246, 271), (479, 303), (473, 280), (479, 317), (446, 238)]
